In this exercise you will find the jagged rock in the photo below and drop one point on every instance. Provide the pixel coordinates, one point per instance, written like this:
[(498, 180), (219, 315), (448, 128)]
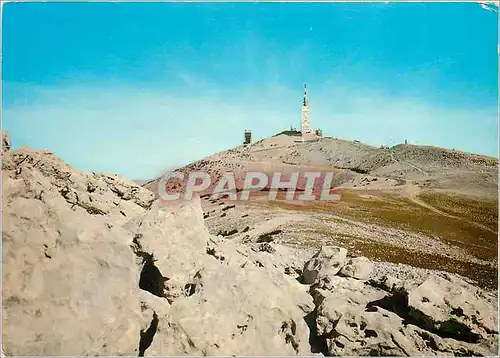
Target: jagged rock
[(389, 283), (43, 176), (267, 247), (65, 266), (341, 298), (327, 261), (63, 269), (357, 267), (237, 311), (176, 237), (111, 285), (454, 307), (356, 318), (6, 145), (222, 302)]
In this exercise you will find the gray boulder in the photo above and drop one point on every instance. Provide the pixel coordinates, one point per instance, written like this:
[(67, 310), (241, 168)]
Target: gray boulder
[(358, 267), (327, 261), (112, 277), (439, 317), (219, 298), (69, 279), (454, 308), (6, 145)]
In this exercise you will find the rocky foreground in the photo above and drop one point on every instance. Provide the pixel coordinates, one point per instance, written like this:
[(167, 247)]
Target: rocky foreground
[(94, 265)]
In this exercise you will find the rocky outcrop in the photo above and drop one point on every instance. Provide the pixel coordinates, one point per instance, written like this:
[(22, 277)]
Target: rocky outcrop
[(327, 261), (218, 298), (89, 256), (357, 267), (441, 316), (69, 279), (112, 272), (6, 145)]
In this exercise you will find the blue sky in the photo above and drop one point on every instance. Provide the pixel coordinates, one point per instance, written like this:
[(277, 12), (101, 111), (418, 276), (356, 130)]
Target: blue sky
[(137, 88)]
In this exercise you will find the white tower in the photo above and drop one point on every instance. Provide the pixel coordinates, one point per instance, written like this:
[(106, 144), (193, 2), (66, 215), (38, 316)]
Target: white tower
[(304, 124)]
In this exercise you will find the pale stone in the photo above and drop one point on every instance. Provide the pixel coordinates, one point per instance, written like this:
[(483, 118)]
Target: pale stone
[(358, 267), (327, 261)]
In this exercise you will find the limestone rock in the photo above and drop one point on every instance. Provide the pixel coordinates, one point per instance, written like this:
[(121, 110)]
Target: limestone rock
[(223, 299), (389, 283), (236, 311), (454, 308), (40, 174), (340, 300), (6, 145), (176, 239), (327, 261), (357, 267), (267, 247), (356, 318), (69, 281)]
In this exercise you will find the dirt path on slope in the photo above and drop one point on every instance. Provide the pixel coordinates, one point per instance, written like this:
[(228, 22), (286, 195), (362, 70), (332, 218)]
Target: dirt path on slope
[(411, 192), (420, 170)]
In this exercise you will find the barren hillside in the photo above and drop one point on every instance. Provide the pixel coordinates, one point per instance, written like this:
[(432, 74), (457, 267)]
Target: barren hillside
[(425, 206), (94, 265), (424, 166)]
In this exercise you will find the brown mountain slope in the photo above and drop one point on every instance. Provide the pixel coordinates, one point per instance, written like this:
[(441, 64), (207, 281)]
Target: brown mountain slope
[(112, 272), (424, 166), (420, 205)]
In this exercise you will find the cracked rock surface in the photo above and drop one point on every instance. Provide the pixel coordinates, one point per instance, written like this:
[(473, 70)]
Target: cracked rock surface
[(69, 280), (93, 265)]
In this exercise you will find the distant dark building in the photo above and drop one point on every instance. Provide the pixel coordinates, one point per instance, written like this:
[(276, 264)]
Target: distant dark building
[(248, 137)]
